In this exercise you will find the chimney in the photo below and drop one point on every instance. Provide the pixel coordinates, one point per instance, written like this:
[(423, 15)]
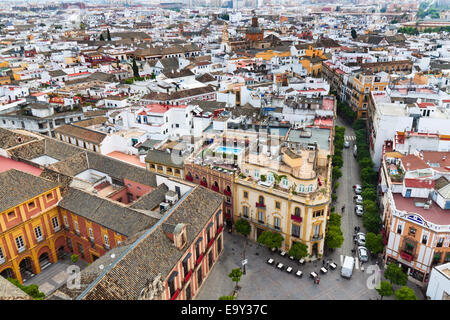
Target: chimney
[(179, 236)]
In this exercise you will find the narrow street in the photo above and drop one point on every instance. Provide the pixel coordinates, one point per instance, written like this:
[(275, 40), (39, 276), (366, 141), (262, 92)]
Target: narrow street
[(350, 176)]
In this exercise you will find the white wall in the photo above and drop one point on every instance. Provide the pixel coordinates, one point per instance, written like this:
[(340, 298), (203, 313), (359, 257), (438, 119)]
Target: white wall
[(438, 284)]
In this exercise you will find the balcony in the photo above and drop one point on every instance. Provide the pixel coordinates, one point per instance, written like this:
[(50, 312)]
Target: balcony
[(260, 205), (407, 256), (215, 188), (57, 228), (21, 249), (317, 237), (204, 184), (40, 239), (106, 246), (227, 193), (77, 232), (296, 218), (189, 178)]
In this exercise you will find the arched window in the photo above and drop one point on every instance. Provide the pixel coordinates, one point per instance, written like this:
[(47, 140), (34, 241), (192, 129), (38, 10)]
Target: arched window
[(228, 188), (301, 188), (276, 223), (261, 200), (216, 184), (285, 183), (310, 188), (297, 212)]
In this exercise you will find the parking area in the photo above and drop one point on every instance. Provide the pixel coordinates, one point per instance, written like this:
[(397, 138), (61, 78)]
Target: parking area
[(54, 275), (265, 282)]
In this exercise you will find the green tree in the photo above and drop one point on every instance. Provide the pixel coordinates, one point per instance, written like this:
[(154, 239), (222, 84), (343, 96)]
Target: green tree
[(395, 274), (153, 76), (385, 289), (354, 35), (108, 35), (298, 250), (405, 293), (243, 227), (135, 69), (372, 222), (338, 161), (227, 298), (334, 237), (369, 194), (270, 239), (374, 242), (336, 173), (236, 275), (32, 290), (334, 220)]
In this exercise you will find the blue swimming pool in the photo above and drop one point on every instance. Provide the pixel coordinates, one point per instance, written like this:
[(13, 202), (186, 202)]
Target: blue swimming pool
[(228, 150)]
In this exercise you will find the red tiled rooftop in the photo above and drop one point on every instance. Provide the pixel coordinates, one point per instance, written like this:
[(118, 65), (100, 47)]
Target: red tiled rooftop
[(8, 164), (327, 104), (126, 158), (413, 162), (425, 104), (434, 214), (162, 108)]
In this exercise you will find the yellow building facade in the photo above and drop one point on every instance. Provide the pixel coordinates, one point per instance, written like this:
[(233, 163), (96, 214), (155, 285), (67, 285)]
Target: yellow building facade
[(296, 206), (29, 237)]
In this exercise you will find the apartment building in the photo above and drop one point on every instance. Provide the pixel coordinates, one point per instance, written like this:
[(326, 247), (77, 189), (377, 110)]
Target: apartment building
[(415, 204)]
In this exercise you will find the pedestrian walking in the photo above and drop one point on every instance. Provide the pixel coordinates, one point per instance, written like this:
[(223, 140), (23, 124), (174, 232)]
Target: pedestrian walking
[(318, 280), (343, 208), (323, 263)]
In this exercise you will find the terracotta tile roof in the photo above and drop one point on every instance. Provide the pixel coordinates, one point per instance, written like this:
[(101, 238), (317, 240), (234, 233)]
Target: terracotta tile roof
[(9, 291), (81, 133), (155, 253), (17, 187), (412, 162), (165, 158), (10, 138), (111, 215), (152, 199)]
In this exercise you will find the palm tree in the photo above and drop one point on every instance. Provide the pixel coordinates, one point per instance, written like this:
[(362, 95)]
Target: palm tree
[(277, 178)]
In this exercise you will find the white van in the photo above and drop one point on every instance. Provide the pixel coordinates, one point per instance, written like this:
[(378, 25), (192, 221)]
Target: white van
[(347, 267)]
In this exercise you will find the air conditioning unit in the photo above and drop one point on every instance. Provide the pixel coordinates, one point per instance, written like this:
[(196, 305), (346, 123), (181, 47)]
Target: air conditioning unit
[(163, 206), (426, 206)]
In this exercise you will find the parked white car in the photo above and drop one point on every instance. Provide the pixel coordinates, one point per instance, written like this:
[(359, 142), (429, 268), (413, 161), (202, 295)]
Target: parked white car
[(363, 254), (360, 239), (359, 210), (358, 199)]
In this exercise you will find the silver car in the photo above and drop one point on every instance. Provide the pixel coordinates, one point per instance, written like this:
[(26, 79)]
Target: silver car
[(346, 144), (360, 239), (359, 211), (358, 199), (363, 254)]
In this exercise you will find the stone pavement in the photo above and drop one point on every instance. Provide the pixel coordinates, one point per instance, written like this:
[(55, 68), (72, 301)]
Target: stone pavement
[(54, 276), (265, 282)]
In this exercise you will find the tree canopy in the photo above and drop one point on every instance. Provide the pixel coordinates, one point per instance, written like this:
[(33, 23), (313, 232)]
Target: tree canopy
[(270, 239), (298, 250), (405, 293), (395, 274), (243, 227)]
